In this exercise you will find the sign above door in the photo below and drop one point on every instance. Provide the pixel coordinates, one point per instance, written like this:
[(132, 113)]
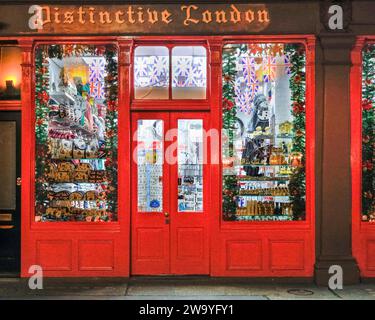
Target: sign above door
[(156, 19)]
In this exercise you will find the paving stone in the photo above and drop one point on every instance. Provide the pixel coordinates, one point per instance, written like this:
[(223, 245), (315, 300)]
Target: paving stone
[(149, 290), (175, 290)]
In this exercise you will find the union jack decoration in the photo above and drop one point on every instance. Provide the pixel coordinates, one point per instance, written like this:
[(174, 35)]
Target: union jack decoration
[(97, 69), (269, 68), (96, 79), (189, 71), (245, 92), (151, 71), (248, 68), (287, 63)]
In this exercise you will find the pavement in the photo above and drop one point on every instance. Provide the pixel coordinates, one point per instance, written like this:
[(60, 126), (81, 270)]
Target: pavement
[(177, 289)]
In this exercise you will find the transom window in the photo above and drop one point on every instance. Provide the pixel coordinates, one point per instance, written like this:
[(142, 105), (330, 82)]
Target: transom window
[(170, 73)]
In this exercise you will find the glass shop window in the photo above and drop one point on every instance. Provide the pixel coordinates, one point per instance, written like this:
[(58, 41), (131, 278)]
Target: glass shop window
[(189, 69), (152, 69), (263, 140), (368, 133), (76, 133), (151, 73)]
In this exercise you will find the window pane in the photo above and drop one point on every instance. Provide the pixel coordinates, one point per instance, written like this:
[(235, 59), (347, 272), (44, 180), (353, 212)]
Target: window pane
[(10, 72), (189, 66), (8, 164), (263, 142), (150, 165), (368, 133), (190, 165), (76, 133), (151, 73)]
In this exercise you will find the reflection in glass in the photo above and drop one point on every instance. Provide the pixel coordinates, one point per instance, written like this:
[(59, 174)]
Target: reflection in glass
[(189, 68), (150, 165), (76, 133), (8, 164), (190, 165), (10, 72), (151, 72)]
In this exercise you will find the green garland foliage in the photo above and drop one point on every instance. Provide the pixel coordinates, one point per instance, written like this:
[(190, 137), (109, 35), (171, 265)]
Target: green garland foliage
[(297, 84), (42, 53), (368, 133)]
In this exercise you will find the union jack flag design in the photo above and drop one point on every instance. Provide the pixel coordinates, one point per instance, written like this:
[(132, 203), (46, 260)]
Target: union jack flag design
[(245, 92), (96, 79), (189, 72), (248, 68), (269, 69), (287, 63)]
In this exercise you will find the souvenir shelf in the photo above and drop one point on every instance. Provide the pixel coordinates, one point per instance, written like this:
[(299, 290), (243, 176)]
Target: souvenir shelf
[(76, 133), (263, 140)]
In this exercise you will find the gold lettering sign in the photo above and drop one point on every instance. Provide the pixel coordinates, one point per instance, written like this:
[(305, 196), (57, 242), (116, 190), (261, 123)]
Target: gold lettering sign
[(135, 19)]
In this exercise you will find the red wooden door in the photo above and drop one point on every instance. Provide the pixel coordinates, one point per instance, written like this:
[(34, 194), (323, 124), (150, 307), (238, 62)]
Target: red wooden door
[(170, 188)]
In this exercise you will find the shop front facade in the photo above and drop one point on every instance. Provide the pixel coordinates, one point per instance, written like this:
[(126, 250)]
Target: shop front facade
[(217, 139)]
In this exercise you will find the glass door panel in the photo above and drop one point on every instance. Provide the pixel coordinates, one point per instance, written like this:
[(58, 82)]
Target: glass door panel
[(150, 153), (8, 163), (190, 165)]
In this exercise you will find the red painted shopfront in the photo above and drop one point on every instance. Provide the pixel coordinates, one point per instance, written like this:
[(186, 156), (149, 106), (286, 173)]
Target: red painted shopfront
[(192, 147), (166, 240)]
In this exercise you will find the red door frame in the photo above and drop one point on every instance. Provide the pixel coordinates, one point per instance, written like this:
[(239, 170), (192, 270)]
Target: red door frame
[(179, 223), (271, 242), (363, 233)]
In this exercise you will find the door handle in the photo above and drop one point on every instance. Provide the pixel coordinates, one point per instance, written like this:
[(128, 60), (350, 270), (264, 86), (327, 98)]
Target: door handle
[(166, 214)]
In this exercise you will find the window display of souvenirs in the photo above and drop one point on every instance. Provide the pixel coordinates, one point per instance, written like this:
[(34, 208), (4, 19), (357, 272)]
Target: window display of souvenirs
[(263, 132), (190, 165), (150, 165), (76, 133)]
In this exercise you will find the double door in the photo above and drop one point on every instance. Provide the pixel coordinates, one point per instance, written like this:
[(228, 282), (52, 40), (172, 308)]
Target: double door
[(170, 191)]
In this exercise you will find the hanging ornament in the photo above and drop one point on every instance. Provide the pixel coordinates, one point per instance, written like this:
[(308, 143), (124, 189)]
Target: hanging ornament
[(269, 69)]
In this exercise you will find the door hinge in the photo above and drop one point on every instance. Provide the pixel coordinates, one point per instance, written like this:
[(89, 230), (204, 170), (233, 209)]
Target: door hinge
[(18, 181)]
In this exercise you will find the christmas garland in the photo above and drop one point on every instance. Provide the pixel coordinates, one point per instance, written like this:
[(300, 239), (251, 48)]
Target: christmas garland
[(297, 84), (229, 111), (42, 54), (368, 133)]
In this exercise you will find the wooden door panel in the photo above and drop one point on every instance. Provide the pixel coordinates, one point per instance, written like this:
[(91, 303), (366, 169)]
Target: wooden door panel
[(150, 232), (189, 224), (177, 244)]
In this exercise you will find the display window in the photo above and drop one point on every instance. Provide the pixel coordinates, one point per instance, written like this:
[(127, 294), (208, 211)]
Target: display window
[(76, 133), (163, 73), (264, 129), (10, 73), (368, 133)]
